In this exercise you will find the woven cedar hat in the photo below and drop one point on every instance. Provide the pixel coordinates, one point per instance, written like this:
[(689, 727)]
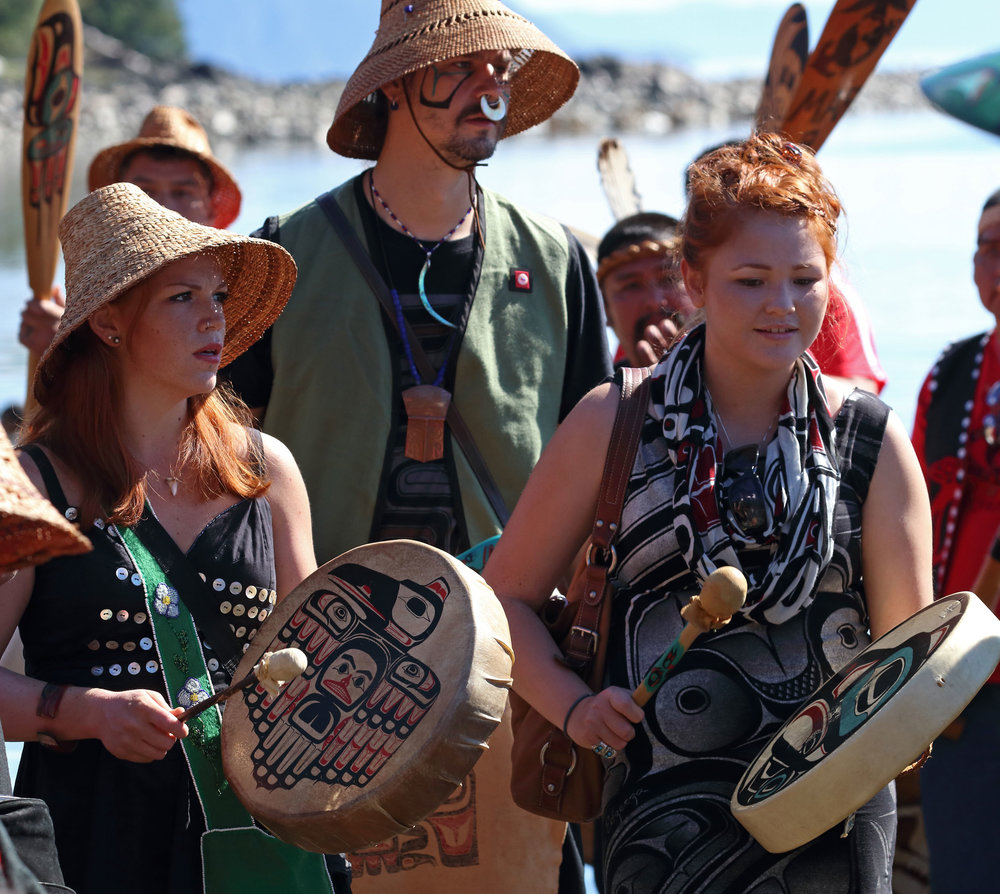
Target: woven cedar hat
[(31, 529), (170, 126), (413, 34), (117, 236)]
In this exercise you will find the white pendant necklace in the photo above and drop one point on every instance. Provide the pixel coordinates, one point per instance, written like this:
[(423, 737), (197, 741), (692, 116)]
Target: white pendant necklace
[(172, 481)]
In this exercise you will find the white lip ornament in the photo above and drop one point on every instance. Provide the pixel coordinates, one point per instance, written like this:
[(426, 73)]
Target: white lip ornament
[(493, 108)]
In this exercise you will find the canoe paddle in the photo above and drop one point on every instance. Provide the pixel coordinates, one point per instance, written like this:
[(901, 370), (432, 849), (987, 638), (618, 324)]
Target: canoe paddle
[(788, 60), (853, 40), (724, 592), (51, 110)]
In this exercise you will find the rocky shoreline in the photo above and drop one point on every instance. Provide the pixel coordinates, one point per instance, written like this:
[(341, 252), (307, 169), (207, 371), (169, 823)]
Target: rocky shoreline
[(614, 98)]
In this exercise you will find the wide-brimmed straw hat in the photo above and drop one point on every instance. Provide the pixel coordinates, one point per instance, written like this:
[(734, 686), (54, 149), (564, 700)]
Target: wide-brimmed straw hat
[(31, 529), (413, 34), (178, 128), (117, 236)]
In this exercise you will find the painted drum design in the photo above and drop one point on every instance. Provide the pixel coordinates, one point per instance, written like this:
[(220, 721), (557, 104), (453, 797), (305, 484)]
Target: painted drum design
[(409, 664), (868, 722)]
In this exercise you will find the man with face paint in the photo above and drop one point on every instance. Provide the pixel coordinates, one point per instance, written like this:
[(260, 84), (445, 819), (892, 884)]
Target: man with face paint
[(639, 271), (420, 293)]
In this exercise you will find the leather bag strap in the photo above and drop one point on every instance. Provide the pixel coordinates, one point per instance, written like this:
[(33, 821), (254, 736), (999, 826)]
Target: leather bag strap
[(584, 639), (342, 226)]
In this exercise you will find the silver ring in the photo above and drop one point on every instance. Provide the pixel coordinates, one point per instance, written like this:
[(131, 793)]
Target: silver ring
[(602, 749)]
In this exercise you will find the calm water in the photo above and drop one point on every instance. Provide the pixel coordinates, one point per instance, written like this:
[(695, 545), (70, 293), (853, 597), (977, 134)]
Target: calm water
[(912, 186)]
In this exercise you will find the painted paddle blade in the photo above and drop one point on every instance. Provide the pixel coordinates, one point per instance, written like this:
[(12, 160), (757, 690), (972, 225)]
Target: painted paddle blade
[(788, 60), (51, 110), (853, 40), (617, 179), (968, 91)]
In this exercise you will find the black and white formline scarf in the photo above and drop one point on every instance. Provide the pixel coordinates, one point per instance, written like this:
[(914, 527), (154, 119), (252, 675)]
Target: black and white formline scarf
[(801, 481)]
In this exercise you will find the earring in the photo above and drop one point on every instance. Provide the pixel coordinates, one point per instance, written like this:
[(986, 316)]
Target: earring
[(393, 105), (115, 339)]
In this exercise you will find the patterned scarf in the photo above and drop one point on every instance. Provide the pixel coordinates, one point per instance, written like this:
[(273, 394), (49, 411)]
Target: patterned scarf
[(801, 481)]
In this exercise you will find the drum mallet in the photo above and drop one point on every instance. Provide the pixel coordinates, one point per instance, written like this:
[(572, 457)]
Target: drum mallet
[(722, 596), (273, 671)]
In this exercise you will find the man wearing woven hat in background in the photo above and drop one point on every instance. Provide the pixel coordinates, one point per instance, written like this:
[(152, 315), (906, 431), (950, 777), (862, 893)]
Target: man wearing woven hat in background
[(171, 161), (638, 269), (422, 296)]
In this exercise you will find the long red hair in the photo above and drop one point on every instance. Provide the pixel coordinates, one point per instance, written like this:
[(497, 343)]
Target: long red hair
[(78, 418)]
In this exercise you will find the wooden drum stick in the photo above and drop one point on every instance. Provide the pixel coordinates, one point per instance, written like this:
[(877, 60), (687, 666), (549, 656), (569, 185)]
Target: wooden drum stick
[(273, 671), (721, 597)]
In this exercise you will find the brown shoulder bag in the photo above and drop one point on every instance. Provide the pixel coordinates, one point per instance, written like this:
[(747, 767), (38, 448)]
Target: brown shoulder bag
[(551, 775)]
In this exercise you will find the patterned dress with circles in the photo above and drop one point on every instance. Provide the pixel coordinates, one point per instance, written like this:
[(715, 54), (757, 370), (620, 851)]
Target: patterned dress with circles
[(667, 823)]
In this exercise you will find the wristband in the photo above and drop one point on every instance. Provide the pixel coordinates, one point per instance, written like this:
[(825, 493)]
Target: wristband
[(572, 708), (48, 701), (48, 704)]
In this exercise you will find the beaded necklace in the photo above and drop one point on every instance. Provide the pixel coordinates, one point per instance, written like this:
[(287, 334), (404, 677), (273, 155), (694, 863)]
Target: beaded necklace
[(958, 492), (427, 251), (426, 404)]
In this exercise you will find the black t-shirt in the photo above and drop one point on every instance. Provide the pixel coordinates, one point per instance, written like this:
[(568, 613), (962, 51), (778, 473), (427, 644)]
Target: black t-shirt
[(587, 359), (416, 500)]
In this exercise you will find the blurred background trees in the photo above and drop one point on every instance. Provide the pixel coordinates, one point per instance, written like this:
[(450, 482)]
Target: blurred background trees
[(152, 27)]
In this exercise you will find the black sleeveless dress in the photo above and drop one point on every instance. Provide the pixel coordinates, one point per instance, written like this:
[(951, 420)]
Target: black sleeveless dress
[(667, 824), (120, 826)]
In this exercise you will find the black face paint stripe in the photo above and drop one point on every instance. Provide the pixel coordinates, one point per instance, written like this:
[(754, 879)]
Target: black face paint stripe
[(433, 72)]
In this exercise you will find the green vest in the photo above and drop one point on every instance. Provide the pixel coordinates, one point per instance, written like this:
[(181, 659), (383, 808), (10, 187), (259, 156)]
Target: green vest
[(331, 401)]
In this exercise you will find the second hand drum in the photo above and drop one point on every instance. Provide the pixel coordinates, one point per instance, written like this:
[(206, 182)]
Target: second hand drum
[(408, 668), (868, 722)]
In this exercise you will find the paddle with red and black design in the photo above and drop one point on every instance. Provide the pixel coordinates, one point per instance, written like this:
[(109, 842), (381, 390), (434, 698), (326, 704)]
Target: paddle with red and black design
[(853, 40), (51, 111), (789, 53)]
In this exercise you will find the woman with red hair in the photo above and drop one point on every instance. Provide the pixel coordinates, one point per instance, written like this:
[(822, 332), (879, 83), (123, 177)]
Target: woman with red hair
[(198, 522), (747, 458)]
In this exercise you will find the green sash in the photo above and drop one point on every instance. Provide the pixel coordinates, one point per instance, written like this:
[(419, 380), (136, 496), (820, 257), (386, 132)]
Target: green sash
[(238, 857)]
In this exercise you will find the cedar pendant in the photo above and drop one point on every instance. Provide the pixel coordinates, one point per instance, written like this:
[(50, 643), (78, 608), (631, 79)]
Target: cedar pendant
[(426, 408)]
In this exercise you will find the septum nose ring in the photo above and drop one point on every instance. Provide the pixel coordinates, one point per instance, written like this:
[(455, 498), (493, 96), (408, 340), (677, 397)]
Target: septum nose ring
[(494, 108)]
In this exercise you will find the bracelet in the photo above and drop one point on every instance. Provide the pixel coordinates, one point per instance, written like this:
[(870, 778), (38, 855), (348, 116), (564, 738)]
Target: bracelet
[(48, 704), (572, 708), (48, 701)]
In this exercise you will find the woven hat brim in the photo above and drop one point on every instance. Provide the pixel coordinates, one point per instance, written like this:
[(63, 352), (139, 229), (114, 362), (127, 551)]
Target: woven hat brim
[(540, 86), (227, 198), (117, 237), (31, 529)]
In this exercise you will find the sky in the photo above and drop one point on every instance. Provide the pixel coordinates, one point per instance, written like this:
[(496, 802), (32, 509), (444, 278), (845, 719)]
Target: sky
[(314, 39)]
